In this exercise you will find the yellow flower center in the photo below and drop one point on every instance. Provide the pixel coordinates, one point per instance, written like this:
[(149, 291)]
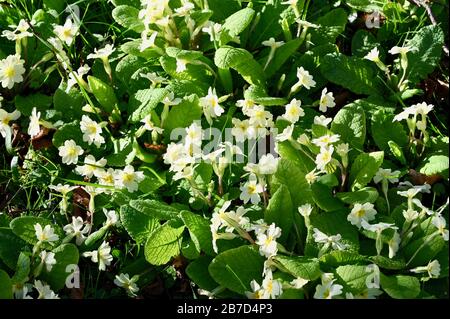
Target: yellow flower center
[(360, 213), (127, 177), (10, 72), (326, 293), (251, 189), (268, 240), (6, 120), (72, 151)]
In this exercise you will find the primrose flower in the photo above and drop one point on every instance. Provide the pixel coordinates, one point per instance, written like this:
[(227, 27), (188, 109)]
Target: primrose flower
[(66, 32), (124, 281), (268, 164), (246, 105), (324, 157), (111, 217), (322, 120), (34, 127), (102, 256), (48, 259), (75, 77), (250, 191), (386, 174), (400, 50), (129, 178), (267, 241), (433, 269), (286, 134), (211, 106), (70, 152), (46, 234), (213, 29), (440, 223), (271, 43), (5, 118), (326, 100), (304, 79), (91, 167), (271, 288), (44, 291), (373, 55), (359, 212), (153, 77), (11, 71), (77, 229), (150, 126), (20, 32), (239, 130), (327, 290), (91, 131), (102, 53), (333, 241), (325, 140), (293, 111)]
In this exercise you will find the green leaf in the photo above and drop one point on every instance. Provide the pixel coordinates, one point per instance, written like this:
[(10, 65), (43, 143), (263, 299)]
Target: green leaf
[(24, 228), (400, 287), (365, 195), (133, 3), (21, 275), (384, 129), (138, 225), (242, 61), (65, 255), (103, 93), (183, 114), (280, 211), (388, 263), (132, 47), (428, 41), (236, 268), (197, 271), (303, 267), (435, 164), (25, 104), (350, 124), (353, 73), (69, 131), (199, 230), (332, 24), (290, 175), (363, 42), (127, 17), (235, 24), (354, 276), (155, 209), (6, 291), (163, 244), (259, 96), (342, 257), (269, 23), (125, 69), (68, 103), (282, 54), (366, 5), (223, 8), (332, 223), (364, 169), (429, 246), (10, 247), (147, 99), (323, 197), (196, 71)]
